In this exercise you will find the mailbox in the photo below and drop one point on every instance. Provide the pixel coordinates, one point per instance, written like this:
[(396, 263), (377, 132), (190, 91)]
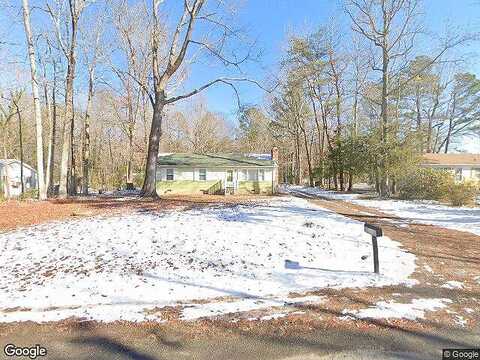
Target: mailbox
[(373, 230)]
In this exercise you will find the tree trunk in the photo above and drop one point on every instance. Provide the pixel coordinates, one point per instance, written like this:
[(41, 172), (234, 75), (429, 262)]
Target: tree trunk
[(130, 159), (384, 116), (6, 182), (51, 144), (149, 188), (429, 134), (20, 143), (67, 173), (335, 178), (449, 135), (342, 178), (450, 124), (86, 139), (431, 116), (418, 110), (67, 140), (377, 180), (309, 160), (42, 191), (72, 183), (298, 160), (355, 111)]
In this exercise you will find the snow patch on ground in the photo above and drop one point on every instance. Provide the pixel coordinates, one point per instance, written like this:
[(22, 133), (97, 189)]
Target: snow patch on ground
[(118, 268), (453, 285), (394, 310), (316, 192), (196, 311), (428, 268), (420, 212), (429, 213), (460, 320)]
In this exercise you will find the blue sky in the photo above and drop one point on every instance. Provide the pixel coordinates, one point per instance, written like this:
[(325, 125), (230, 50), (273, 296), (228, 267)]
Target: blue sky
[(270, 21)]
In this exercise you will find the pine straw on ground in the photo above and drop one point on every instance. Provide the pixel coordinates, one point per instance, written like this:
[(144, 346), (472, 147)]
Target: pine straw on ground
[(15, 214)]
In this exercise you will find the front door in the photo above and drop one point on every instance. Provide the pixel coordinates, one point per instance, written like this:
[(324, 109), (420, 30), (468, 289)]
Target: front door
[(229, 183)]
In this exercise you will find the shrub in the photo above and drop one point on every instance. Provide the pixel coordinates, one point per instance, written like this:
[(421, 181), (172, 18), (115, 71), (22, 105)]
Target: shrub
[(460, 194), (434, 184), (424, 184), (29, 194)]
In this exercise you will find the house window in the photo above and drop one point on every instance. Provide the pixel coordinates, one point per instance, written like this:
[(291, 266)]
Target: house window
[(458, 174), (170, 174), (229, 175), (202, 174), (261, 175)]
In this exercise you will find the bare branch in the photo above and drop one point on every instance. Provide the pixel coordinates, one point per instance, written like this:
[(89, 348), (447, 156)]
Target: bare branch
[(225, 80)]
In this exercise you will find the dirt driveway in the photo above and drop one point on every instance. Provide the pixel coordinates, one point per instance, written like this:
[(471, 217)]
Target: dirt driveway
[(319, 332)]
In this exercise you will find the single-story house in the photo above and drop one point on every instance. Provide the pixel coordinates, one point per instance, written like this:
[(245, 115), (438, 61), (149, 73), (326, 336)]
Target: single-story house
[(465, 167), (192, 173), (10, 180)]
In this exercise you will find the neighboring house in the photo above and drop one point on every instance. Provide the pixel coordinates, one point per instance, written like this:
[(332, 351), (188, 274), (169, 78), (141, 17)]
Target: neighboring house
[(10, 183), (191, 173), (462, 166)]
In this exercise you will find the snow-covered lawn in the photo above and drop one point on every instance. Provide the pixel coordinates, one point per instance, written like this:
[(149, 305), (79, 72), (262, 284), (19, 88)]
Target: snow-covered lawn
[(111, 268), (317, 192), (423, 212), (429, 213)]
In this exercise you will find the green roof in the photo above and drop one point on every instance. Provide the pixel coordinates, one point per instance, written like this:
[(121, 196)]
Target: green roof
[(215, 160)]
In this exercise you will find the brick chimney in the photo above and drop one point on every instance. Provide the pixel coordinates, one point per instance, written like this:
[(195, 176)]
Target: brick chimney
[(275, 154)]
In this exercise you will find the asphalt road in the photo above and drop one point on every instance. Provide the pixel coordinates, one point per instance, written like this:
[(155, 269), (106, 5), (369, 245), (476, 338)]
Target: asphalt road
[(161, 342)]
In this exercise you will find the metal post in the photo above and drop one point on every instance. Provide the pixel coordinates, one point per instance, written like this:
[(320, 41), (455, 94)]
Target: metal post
[(376, 266), (375, 232)]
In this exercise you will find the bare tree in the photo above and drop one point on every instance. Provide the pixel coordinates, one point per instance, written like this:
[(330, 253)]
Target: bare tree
[(94, 51), (391, 27), (53, 129), (15, 100), (36, 101), (163, 72), (133, 47), (6, 115), (58, 14)]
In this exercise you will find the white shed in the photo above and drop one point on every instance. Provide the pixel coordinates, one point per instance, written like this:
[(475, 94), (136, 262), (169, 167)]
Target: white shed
[(10, 180)]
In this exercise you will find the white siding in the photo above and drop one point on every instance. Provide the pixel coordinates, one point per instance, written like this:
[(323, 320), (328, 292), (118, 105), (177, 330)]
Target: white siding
[(190, 174), (212, 174), (15, 188), (243, 174), (215, 174), (468, 172)]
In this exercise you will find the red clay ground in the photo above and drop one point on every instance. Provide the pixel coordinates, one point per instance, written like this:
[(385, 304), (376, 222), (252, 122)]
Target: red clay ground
[(442, 255), (14, 214)]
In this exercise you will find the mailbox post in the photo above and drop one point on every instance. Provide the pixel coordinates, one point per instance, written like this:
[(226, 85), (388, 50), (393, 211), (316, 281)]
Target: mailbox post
[(375, 232)]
